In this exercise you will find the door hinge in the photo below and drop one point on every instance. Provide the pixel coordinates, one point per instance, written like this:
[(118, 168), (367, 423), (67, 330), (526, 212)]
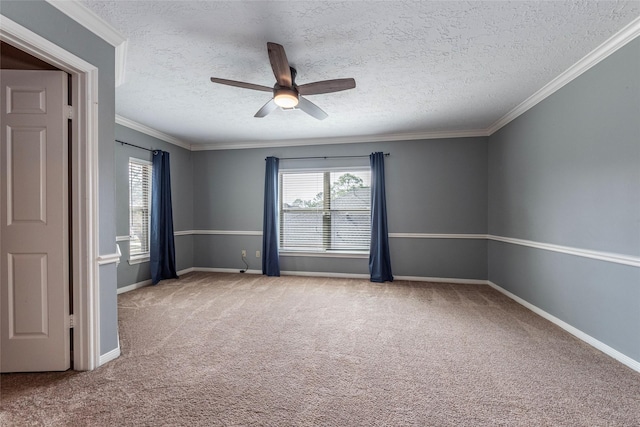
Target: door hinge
[(69, 112), (72, 321)]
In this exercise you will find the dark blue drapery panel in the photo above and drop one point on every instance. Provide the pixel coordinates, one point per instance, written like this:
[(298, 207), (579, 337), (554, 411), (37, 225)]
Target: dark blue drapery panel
[(162, 247), (379, 259), (270, 256)]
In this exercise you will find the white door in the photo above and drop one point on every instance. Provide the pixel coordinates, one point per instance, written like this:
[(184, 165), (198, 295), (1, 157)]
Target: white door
[(34, 236)]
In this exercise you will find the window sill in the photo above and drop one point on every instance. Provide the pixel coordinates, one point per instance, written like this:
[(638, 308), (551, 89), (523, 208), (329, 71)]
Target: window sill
[(138, 259), (331, 254)]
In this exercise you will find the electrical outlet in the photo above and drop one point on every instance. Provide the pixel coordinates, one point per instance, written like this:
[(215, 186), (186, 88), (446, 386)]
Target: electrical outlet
[(244, 253), (257, 254)]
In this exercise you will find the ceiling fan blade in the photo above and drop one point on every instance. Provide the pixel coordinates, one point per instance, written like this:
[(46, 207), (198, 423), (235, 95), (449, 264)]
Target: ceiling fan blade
[(279, 64), (326, 86), (311, 109), (241, 84), (266, 109)]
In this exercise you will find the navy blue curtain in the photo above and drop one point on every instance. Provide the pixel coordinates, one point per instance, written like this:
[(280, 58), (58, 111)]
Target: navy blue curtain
[(162, 247), (270, 255), (379, 259)]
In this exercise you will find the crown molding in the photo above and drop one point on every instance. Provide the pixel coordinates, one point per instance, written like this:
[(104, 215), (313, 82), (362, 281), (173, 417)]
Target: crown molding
[(340, 140), (609, 46), (88, 19), (152, 132)]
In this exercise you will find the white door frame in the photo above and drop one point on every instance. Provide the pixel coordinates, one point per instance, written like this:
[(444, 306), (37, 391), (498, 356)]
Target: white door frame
[(84, 180)]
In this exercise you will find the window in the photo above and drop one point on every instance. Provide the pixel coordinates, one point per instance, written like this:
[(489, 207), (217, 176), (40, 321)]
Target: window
[(324, 211), (139, 208)]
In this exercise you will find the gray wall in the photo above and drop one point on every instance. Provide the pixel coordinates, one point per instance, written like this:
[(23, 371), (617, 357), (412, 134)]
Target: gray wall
[(433, 186), (48, 22), (181, 197), (567, 172)]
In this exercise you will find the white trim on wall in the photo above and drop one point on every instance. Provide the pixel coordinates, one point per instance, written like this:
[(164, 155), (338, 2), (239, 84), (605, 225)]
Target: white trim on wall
[(112, 355), (110, 258), (123, 121), (441, 280), (224, 270), (585, 253), (147, 282), (92, 22), (330, 254), (622, 358), (203, 232), (630, 260), (450, 280), (311, 274), (340, 140), (325, 274), (436, 236), (220, 232), (612, 44), (134, 286)]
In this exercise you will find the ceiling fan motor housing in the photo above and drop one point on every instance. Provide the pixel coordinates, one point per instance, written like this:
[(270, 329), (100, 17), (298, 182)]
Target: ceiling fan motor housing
[(285, 97)]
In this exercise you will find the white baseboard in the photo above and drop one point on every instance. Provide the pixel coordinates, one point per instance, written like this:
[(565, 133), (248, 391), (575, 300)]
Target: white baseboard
[(351, 276), (108, 357), (442, 280), (147, 282), (225, 270), (620, 357), (310, 274), (395, 278), (325, 274), (134, 286)]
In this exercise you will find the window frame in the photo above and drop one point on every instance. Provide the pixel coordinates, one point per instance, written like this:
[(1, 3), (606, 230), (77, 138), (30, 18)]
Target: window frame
[(140, 257), (325, 251)]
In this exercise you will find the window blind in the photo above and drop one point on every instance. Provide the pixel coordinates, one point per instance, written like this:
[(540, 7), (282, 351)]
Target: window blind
[(139, 206), (325, 210)]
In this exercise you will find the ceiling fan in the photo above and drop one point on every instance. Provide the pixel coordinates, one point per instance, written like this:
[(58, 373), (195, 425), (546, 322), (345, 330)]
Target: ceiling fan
[(286, 93)]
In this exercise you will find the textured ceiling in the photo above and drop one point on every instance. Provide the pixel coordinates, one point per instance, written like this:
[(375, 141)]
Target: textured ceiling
[(419, 66)]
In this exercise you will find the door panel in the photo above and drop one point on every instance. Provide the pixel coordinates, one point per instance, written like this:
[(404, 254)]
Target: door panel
[(26, 173), (27, 292), (34, 251)]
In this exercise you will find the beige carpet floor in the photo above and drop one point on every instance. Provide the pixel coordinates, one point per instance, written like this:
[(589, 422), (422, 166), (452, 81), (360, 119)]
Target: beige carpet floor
[(215, 349)]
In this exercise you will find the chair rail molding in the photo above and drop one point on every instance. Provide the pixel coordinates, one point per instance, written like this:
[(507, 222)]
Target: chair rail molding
[(633, 261), (616, 258)]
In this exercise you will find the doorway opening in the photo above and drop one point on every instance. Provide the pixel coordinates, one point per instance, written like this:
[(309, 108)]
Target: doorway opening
[(83, 178)]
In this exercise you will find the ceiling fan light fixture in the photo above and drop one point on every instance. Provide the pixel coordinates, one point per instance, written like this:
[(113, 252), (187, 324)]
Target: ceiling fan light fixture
[(286, 98), (286, 93)]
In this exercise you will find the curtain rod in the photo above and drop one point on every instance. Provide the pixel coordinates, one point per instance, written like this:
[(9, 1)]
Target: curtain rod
[(327, 157), (137, 146)]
